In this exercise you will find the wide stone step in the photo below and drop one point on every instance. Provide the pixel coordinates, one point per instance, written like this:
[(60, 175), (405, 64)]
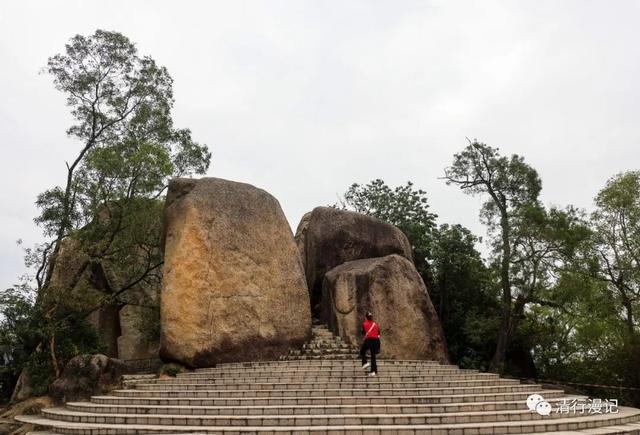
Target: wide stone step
[(324, 363), (323, 400), (304, 357), (372, 389), (624, 417), (320, 377), (138, 377), (365, 382), (325, 373), (328, 351), (328, 345), (353, 373), (65, 414), (329, 371), (304, 409)]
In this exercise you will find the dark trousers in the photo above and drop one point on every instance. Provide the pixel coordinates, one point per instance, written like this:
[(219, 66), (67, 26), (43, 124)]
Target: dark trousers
[(372, 345)]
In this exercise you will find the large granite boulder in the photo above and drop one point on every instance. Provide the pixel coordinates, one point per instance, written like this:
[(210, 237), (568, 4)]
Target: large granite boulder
[(88, 375), (233, 285), (328, 237), (391, 288)]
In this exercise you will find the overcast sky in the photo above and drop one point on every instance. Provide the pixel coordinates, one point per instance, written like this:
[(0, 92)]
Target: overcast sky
[(303, 98)]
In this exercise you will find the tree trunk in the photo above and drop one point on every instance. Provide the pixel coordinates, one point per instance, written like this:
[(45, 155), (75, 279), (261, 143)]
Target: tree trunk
[(630, 326), (499, 357)]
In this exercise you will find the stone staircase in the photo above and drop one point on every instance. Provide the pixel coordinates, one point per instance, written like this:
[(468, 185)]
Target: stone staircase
[(323, 345), (322, 389)]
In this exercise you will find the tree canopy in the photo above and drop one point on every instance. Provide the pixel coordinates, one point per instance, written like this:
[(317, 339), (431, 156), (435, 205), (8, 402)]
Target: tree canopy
[(108, 210)]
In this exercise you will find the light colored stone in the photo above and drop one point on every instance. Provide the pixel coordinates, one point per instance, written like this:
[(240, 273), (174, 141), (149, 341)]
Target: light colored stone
[(233, 286), (391, 288)]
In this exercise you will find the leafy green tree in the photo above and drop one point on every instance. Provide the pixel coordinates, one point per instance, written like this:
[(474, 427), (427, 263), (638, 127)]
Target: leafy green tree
[(108, 211), (545, 242), (509, 183), (616, 243), (464, 296), (121, 103), (23, 331)]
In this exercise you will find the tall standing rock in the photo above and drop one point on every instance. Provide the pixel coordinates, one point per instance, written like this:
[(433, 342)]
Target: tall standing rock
[(391, 288), (233, 286), (328, 237)]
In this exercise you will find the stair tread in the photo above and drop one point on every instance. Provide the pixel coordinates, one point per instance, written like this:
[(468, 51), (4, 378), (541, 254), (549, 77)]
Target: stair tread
[(624, 412), (538, 390), (364, 406)]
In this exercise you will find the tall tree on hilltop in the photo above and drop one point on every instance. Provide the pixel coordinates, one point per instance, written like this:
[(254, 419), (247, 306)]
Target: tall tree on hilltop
[(118, 100), (509, 184)]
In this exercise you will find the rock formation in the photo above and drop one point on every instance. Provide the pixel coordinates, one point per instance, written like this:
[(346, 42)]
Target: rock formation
[(233, 285), (120, 323), (328, 237), (87, 375), (392, 289)]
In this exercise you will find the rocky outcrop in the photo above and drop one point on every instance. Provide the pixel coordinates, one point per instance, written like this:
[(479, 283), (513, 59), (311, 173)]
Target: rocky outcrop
[(90, 282), (88, 375), (233, 286), (328, 237), (134, 341), (391, 288)]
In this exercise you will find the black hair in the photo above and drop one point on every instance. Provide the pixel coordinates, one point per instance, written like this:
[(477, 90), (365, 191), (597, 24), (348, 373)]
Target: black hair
[(369, 316)]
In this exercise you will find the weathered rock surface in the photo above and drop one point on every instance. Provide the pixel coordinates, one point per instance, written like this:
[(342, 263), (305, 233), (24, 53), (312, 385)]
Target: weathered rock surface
[(118, 324), (233, 285), (23, 389), (328, 237), (134, 341), (391, 288), (87, 375)]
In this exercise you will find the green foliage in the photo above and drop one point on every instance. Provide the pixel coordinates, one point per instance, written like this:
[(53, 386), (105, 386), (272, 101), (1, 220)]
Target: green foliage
[(108, 212), (508, 181), (464, 295), (509, 184), (615, 257), (403, 206), (172, 371), (23, 329), (570, 282)]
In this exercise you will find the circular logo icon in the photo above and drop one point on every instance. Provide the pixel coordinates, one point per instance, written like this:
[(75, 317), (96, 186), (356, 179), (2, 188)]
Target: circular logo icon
[(533, 400), (543, 408)]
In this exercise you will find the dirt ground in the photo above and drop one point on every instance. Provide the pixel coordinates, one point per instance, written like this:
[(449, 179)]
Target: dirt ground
[(28, 407)]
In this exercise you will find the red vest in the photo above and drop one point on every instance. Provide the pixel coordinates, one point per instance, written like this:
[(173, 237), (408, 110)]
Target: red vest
[(375, 332)]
